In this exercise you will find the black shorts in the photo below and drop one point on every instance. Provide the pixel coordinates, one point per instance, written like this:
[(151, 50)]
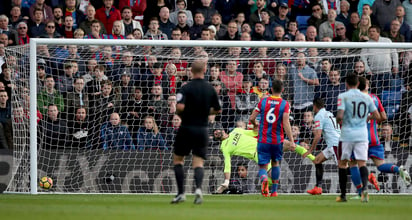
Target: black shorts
[(191, 139)]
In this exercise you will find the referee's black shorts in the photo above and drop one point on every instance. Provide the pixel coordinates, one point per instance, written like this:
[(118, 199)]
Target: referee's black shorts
[(191, 139)]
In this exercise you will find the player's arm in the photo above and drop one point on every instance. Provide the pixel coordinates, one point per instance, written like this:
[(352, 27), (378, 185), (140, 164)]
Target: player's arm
[(253, 117), (317, 134), (180, 107), (287, 127), (216, 108), (374, 113), (382, 112), (383, 116), (375, 116), (339, 116), (251, 133), (341, 110), (226, 172)]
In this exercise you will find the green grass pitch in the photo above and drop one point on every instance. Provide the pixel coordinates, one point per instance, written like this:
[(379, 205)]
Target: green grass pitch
[(113, 207)]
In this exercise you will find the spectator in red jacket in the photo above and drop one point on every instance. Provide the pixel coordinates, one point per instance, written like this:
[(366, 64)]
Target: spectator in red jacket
[(108, 14), (138, 7)]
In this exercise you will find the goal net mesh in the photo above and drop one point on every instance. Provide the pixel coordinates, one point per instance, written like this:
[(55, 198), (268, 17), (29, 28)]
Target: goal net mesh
[(106, 114)]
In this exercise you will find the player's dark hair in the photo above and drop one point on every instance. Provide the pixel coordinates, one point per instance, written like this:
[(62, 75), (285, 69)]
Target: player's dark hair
[(277, 86), (362, 83), (319, 103), (352, 79)]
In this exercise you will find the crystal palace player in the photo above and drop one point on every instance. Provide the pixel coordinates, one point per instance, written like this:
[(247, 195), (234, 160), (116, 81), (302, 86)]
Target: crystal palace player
[(195, 101), (353, 109), (376, 151), (274, 113), (241, 142)]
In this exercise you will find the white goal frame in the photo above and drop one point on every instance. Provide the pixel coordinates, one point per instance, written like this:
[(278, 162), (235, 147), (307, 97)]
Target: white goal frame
[(199, 43)]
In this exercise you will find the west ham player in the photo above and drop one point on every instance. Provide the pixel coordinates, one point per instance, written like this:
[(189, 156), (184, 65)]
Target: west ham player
[(274, 113), (376, 151), (326, 126), (241, 142), (353, 109)]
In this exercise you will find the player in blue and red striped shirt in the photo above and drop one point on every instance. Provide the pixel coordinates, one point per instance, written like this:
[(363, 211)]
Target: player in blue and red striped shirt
[(274, 113), (376, 150)]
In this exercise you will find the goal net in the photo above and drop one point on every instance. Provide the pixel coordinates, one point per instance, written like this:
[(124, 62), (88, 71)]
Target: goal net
[(106, 117)]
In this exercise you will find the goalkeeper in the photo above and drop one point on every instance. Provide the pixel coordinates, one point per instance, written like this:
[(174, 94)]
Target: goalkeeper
[(241, 142)]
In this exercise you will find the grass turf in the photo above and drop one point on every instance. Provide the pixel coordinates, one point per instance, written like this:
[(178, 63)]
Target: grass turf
[(31, 207)]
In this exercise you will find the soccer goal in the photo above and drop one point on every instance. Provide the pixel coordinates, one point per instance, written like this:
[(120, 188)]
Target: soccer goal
[(103, 111)]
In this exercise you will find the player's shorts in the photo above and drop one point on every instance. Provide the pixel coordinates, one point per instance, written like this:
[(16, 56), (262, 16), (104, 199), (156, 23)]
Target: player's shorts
[(377, 152), (330, 153), (267, 152), (191, 139), (356, 150)]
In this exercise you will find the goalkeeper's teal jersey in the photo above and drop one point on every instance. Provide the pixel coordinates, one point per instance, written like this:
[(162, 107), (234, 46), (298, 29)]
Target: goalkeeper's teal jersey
[(239, 143)]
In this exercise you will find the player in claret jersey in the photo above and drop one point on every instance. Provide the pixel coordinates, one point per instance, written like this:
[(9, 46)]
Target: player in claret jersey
[(274, 113)]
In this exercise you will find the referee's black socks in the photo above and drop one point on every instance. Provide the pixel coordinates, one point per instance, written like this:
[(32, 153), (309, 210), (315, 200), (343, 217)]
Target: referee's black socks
[(180, 177), (199, 177)]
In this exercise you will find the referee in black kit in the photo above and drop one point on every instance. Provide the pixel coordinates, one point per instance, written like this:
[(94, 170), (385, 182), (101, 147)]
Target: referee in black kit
[(195, 102)]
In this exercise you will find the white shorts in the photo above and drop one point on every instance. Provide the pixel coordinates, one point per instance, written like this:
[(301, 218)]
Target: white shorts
[(359, 150), (329, 153)]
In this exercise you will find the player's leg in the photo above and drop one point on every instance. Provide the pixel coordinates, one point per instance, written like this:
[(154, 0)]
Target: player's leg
[(356, 177), (364, 176), (343, 178), (263, 177), (276, 155), (372, 177), (360, 152), (377, 155), (319, 159), (264, 157), (343, 154), (275, 173), (299, 149), (268, 168)]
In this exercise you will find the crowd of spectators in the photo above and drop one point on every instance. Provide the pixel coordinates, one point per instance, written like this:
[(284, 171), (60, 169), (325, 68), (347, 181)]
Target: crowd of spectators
[(91, 96)]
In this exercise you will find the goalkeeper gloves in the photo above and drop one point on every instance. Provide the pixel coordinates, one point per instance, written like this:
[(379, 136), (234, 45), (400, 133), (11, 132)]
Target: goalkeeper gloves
[(223, 187)]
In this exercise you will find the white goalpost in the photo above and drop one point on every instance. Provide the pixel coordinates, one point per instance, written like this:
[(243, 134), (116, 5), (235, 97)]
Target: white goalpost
[(99, 157)]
